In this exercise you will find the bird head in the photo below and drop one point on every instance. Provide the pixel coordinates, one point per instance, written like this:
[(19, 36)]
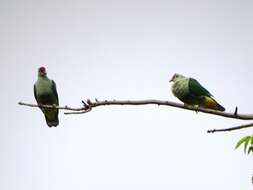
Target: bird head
[(175, 77), (42, 71)]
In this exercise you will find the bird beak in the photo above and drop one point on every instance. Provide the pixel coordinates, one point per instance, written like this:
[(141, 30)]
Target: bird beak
[(171, 79)]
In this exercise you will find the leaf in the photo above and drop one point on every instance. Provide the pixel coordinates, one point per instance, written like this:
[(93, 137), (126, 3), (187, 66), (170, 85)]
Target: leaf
[(250, 149), (242, 140), (246, 144)]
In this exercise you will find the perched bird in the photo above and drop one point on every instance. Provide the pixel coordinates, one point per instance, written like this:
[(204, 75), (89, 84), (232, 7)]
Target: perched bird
[(191, 92), (45, 94)]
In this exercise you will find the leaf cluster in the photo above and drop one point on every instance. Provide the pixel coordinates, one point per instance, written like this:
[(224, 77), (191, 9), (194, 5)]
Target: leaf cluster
[(248, 144)]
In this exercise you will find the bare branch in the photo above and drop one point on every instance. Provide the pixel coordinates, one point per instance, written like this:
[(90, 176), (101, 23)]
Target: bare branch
[(88, 105), (231, 128), (51, 106)]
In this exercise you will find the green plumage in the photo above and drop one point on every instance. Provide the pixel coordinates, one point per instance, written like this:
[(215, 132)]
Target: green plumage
[(45, 93), (191, 92), (197, 89)]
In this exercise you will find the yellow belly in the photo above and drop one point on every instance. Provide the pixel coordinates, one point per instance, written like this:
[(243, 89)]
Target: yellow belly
[(210, 103)]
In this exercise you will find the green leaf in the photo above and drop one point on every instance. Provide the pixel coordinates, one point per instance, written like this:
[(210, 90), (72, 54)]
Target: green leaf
[(242, 140), (250, 149), (246, 144)]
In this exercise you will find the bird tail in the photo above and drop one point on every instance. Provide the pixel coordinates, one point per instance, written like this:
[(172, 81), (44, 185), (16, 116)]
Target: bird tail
[(211, 103), (52, 122)]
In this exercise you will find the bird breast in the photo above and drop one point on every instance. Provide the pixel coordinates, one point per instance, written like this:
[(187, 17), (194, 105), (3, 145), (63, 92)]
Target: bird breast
[(43, 87), (180, 88)]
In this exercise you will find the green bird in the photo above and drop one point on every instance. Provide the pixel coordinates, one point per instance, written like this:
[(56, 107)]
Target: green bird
[(45, 93), (191, 92)]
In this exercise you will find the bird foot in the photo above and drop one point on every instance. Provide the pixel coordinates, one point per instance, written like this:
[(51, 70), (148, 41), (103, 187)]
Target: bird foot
[(196, 106)]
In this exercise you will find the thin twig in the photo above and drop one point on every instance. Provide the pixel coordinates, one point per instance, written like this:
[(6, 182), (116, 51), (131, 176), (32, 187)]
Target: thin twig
[(231, 128), (88, 105)]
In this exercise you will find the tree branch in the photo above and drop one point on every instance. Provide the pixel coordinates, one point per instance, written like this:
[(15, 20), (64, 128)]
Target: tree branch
[(89, 105), (50, 106), (231, 128)]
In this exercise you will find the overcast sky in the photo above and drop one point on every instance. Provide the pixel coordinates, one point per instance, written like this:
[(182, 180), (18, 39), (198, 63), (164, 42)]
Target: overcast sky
[(112, 49)]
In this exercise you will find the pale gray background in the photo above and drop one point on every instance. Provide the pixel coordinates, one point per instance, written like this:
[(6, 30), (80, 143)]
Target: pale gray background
[(112, 49)]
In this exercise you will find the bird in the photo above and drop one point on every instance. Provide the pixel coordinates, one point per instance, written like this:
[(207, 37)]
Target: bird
[(191, 92), (45, 93)]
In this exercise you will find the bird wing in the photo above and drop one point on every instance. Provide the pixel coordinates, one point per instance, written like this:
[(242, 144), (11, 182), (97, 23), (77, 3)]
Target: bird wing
[(197, 89), (56, 95), (55, 92)]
